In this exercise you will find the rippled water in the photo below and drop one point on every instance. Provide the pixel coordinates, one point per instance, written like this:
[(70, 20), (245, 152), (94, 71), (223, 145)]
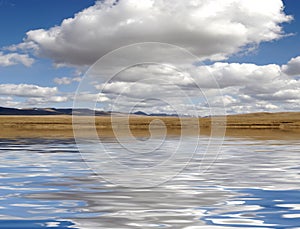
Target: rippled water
[(253, 184)]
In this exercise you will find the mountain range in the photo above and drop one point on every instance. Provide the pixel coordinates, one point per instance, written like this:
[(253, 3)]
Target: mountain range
[(68, 111)]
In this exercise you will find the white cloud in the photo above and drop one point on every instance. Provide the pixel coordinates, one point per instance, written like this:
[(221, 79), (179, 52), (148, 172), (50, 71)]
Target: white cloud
[(27, 90), (211, 29), (34, 101), (96, 97), (8, 101), (15, 58), (66, 80), (292, 68), (288, 94), (246, 88), (26, 95), (236, 74), (158, 88)]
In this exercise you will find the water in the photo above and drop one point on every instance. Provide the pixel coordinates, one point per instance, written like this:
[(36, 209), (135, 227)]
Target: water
[(253, 184)]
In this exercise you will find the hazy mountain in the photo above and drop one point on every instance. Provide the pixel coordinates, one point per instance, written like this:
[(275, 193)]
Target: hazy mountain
[(50, 111), (67, 111)]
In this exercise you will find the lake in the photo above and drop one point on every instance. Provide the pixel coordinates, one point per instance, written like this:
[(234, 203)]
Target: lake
[(48, 183)]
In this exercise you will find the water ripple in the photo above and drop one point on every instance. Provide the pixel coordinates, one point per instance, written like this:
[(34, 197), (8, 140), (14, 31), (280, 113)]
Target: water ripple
[(253, 184)]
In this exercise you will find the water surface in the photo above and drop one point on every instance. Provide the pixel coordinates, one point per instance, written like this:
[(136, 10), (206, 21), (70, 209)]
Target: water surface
[(253, 184)]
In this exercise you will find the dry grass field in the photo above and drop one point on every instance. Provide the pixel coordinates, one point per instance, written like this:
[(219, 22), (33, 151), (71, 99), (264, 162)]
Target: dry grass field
[(264, 125)]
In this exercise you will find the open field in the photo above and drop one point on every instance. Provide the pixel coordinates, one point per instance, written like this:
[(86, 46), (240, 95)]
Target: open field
[(268, 125)]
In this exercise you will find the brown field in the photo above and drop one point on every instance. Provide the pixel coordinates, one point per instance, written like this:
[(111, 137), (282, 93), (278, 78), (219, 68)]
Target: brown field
[(259, 125)]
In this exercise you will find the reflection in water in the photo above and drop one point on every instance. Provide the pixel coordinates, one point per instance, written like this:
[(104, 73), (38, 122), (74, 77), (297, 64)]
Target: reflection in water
[(44, 183)]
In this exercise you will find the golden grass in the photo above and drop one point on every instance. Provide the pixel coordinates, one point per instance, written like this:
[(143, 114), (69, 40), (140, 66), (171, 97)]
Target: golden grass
[(263, 125)]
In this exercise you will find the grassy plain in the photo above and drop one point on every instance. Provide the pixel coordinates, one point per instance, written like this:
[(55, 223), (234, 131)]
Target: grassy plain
[(261, 125)]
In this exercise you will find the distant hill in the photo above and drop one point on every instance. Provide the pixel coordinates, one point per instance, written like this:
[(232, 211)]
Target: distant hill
[(140, 113), (50, 111), (163, 114), (154, 114), (68, 111)]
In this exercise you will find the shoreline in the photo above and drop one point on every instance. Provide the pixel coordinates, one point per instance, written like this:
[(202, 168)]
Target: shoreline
[(261, 125)]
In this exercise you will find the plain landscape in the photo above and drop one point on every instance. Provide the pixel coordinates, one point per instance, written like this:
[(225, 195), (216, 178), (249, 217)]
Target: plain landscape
[(264, 125)]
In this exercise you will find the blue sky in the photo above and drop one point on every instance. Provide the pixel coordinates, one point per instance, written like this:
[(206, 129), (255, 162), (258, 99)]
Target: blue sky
[(280, 51), (19, 16), (48, 68)]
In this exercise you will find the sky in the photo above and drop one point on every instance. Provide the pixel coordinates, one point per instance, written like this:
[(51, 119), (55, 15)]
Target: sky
[(248, 55)]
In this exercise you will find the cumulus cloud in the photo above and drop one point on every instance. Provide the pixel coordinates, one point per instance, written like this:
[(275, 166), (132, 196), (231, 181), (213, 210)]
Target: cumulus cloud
[(28, 95), (236, 74), (27, 90), (15, 58), (292, 68), (245, 87), (66, 80), (8, 101), (155, 88), (34, 101), (211, 29)]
